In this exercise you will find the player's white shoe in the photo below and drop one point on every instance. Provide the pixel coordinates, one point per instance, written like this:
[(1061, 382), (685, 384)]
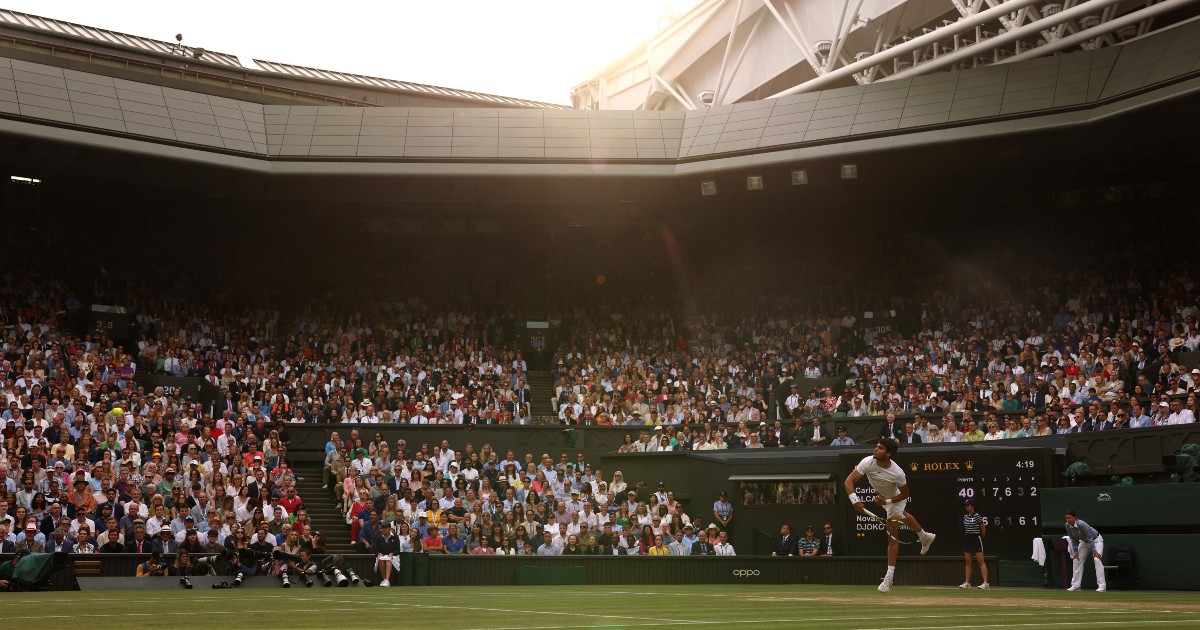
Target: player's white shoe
[(886, 584), (1101, 589), (926, 541), (965, 585), (1073, 588), (385, 583), (985, 586)]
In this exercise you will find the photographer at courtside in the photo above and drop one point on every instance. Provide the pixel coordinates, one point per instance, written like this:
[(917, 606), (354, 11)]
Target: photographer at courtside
[(152, 567), (181, 568)]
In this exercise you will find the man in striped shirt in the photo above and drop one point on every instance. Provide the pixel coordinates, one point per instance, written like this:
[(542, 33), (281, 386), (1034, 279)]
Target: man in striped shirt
[(974, 529)]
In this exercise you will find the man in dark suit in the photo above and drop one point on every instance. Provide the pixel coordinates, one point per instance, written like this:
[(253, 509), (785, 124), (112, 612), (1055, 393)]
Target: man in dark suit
[(909, 436), (817, 435), (785, 542), (894, 426), (797, 435), (703, 547), (522, 395), (165, 544), (831, 544), (138, 542)]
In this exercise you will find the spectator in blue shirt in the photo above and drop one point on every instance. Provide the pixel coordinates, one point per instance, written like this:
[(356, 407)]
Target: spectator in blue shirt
[(452, 542)]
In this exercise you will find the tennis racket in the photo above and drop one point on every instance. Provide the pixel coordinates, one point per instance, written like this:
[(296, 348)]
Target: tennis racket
[(904, 535)]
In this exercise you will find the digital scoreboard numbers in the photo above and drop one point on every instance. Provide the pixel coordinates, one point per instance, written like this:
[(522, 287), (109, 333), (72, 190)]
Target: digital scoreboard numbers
[(1005, 484)]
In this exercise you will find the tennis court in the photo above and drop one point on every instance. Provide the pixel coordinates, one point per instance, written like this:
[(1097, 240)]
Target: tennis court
[(551, 607)]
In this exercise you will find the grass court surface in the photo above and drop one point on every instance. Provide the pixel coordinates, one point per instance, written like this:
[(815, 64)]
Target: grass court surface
[(553, 607)]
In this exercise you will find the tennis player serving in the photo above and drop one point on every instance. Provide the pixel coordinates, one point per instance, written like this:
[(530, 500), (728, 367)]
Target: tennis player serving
[(891, 491)]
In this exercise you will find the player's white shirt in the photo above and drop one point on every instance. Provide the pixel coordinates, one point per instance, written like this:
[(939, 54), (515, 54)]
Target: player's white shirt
[(886, 481)]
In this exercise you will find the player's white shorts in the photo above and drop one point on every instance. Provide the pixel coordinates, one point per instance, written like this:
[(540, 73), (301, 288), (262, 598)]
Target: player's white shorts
[(896, 510)]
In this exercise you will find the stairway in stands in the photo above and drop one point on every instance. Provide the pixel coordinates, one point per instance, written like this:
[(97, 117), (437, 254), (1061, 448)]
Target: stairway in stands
[(541, 387), (322, 507)]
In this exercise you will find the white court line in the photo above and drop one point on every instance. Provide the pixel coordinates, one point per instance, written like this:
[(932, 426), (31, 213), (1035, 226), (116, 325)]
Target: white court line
[(158, 614), (1023, 625), (680, 622), (835, 619), (535, 612)]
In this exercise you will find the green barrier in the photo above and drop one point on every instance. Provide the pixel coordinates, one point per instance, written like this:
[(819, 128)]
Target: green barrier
[(407, 564), (420, 566), (1154, 521), (1020, 573), (1123, 506), (544, 576), (1163, 561)]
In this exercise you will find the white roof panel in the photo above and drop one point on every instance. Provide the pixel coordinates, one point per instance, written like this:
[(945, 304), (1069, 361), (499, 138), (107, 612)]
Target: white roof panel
[(111, 38)]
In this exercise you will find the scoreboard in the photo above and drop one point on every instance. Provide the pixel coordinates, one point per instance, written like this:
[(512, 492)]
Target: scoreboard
[(1004, 482)]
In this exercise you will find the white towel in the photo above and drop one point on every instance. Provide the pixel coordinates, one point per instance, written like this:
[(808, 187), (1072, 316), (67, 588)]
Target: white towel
[(1039, 552), (395, 559)]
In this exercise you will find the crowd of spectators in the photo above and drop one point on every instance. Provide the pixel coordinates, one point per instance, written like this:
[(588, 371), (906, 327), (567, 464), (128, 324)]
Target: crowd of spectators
[(698, 358), (92, 463), (960, 334), (439, 499)]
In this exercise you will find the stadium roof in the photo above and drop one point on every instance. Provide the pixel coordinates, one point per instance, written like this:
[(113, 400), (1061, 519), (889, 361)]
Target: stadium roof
[(117, 39), (114, 38), (391, 84)]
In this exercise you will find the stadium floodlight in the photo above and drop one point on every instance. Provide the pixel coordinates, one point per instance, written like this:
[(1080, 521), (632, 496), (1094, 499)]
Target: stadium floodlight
[(28, 181), (708, 188), (849, 171), (799, 177), (754, 182)]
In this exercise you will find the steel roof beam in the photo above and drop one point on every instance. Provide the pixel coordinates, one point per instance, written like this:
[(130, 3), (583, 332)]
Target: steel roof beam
[(963, 25)]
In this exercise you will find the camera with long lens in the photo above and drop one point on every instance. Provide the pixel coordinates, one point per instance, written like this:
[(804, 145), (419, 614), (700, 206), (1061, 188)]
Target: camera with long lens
[(339, 578), (185, 582), (250, 555), (204, 565), (340, 563), (333, 567), (283, 556), (222, 585)]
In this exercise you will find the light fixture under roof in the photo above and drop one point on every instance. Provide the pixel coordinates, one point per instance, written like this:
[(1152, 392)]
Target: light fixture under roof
[(849, 171), (754, 182), (708, 188), (799, 177)]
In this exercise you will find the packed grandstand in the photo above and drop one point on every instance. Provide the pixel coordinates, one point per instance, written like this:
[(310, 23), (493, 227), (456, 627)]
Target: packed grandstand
[(90, 451), (688, 325)]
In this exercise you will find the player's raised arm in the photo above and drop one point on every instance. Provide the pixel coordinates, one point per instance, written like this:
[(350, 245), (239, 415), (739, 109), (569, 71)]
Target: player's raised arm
[(851, 482)]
